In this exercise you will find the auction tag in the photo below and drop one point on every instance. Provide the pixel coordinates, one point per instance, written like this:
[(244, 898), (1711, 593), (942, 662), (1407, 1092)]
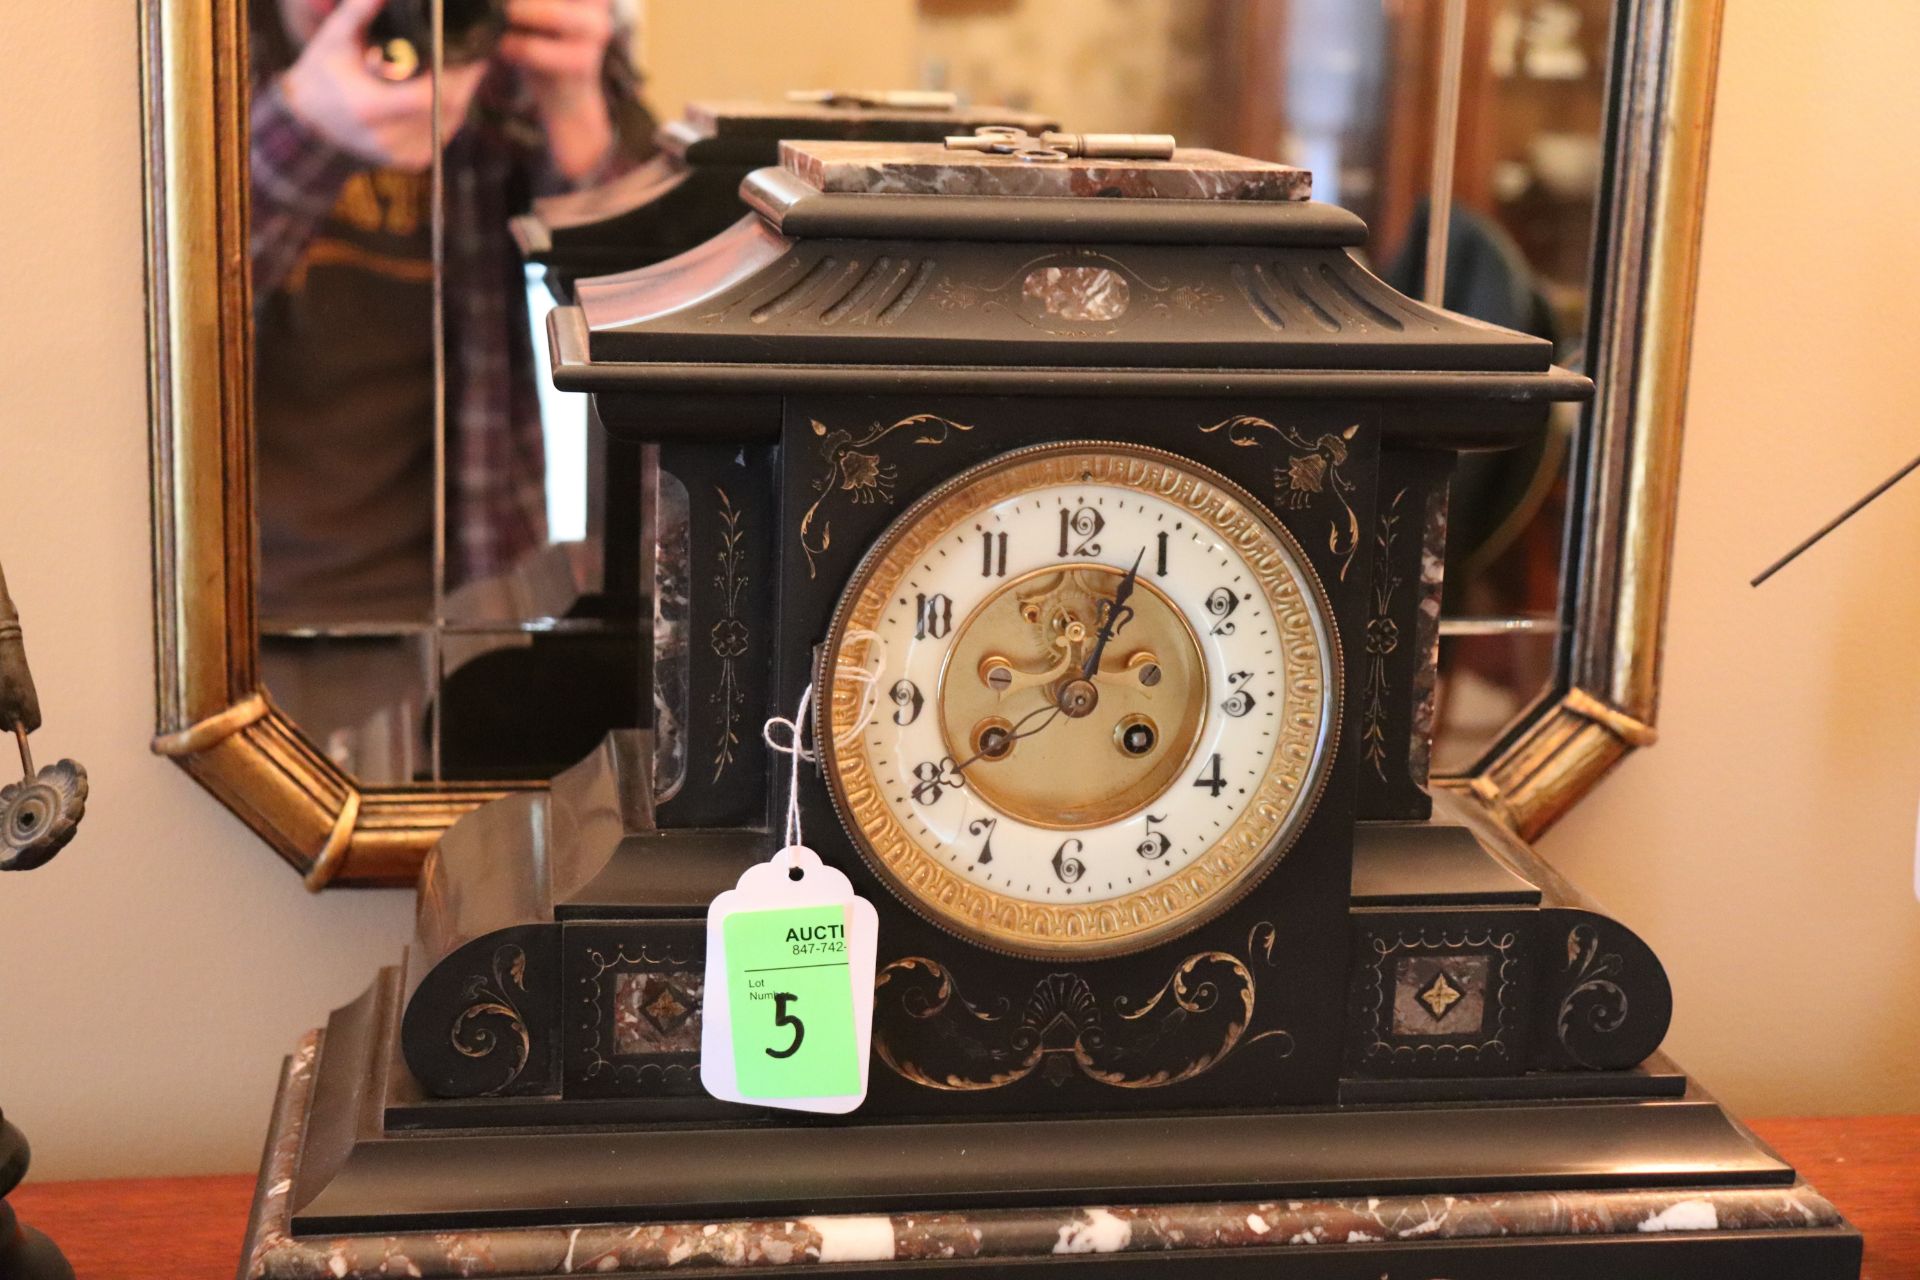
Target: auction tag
[(787, 1016)]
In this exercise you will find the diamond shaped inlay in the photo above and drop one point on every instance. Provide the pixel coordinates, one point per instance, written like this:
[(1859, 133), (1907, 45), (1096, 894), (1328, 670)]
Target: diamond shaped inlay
[(664, 1005), (1440, 996), (656, 1011)]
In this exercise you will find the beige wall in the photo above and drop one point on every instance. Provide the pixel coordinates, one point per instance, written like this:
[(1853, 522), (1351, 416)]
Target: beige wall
[(1766, 845), (762, 48), (1127, 64), (151, 978)]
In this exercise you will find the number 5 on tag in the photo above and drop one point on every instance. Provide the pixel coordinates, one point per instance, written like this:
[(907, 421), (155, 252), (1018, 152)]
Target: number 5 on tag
[(788, 1008)]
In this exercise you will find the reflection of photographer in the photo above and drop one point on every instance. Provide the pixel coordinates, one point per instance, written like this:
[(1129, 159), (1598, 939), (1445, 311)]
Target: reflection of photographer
[(557, 46), (342, 280)]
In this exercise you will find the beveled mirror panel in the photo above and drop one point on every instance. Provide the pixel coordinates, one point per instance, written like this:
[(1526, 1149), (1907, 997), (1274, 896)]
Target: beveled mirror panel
[(432, 596), (390, 576)]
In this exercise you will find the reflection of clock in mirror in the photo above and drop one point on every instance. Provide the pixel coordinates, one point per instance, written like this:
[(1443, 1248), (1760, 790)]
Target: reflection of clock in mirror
[(1082, 698)]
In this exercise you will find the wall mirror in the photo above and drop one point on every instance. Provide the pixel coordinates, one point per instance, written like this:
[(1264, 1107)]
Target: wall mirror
[(383, 592)]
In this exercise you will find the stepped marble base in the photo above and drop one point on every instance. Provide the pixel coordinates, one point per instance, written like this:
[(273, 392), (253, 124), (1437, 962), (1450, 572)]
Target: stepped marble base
[(1756, 1232)]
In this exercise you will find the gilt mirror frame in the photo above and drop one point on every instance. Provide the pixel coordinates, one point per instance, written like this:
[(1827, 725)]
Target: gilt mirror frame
[(214, 716)]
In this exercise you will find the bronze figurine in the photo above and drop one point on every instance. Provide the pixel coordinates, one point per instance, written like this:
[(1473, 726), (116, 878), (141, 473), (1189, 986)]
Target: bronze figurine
[(38, 816), (39, 813)]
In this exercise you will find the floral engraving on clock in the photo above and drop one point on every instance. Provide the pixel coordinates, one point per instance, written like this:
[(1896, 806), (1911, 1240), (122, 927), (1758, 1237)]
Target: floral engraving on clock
[(1063, 1028), (492, 1020), (1312, 469), (1115, 685), (1440, 995), (1595, 999), (849, 468), (1383, 637), (730, 635), (952, 295), (1193, 299)]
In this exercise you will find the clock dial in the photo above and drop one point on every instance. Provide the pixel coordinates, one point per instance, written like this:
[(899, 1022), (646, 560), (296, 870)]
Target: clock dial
[(1080, 699)]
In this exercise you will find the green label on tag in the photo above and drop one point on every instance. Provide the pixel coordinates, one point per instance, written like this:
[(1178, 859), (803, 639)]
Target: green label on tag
[(790, 994)]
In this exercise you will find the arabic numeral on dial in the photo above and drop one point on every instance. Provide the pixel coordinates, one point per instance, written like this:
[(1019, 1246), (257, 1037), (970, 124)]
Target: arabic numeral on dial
[(1239, 702), (906, 696), (1078, 529), (983, 827), (1210, 778), (932, 782), (1156, 844), (1221, 603), (933, 616), (1065, 865), (993, 555)]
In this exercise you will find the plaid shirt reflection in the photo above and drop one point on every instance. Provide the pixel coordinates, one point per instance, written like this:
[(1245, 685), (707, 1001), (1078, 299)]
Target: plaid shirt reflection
[(496, 457)]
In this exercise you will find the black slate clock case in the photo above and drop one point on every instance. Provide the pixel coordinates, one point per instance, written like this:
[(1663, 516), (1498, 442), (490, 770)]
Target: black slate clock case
[(1258, 975), (1401, 1002), (907, 289), (902, 328)]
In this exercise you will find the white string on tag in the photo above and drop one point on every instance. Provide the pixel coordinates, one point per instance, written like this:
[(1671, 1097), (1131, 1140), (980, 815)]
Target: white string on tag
[(795, 747), (758, 1001)]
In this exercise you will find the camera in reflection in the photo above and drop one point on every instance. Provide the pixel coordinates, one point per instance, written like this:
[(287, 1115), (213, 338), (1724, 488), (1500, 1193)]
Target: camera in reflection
[(402, 34)]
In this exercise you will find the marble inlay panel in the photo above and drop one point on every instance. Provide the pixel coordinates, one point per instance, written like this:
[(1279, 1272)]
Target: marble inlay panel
[(1078, 293), (1440, 995), (1426, 679), (657, 1012)]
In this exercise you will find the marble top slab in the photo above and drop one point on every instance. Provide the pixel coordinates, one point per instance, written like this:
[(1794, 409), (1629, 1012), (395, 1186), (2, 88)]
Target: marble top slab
[(894, 168), (1008, 1235)]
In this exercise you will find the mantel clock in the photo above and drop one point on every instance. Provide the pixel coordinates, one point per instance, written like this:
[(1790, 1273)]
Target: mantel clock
[(1098, 493)]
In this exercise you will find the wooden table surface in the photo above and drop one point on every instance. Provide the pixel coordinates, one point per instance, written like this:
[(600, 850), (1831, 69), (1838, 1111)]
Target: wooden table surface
[(1867, 1165)]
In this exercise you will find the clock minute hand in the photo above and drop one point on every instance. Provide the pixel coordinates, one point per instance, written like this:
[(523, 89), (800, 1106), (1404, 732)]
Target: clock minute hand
[(1113, 618), (1013, 735)]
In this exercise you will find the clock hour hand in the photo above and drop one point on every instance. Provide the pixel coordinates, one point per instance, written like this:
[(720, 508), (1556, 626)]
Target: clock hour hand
[(1116, 615), (996, 742)]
